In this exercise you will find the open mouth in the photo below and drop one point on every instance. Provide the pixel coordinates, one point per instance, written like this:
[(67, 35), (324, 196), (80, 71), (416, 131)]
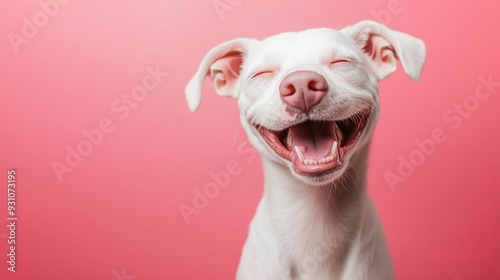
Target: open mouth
[(316, 147)]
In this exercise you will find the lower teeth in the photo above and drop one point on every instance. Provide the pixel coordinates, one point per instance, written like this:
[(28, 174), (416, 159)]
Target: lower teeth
[(324, 160)]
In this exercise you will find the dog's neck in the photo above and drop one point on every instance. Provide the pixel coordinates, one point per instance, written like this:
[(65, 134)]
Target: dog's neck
[(307, 219)]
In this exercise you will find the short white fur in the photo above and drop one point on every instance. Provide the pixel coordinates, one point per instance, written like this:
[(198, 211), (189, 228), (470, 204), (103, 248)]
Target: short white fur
[(311, 227)]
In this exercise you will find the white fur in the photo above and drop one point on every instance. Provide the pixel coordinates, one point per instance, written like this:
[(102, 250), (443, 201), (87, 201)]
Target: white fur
[(306, 227)]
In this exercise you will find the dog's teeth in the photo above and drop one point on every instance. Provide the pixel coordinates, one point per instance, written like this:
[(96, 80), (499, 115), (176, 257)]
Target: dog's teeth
[(289, 138), (334, 148), (339, 134), (327, 159), (299, 154)]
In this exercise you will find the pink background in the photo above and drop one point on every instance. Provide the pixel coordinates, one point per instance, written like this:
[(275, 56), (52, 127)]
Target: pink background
[(118, 209)]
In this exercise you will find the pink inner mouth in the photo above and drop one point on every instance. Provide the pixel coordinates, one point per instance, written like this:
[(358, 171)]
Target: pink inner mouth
[(315, 147), (314, 139)]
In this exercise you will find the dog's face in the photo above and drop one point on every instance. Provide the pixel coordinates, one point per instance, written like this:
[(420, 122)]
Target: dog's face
[(308, 100)]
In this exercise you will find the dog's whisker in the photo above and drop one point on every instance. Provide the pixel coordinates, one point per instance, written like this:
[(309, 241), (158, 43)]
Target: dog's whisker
[(330, 187), (365, 103), (322, 195)]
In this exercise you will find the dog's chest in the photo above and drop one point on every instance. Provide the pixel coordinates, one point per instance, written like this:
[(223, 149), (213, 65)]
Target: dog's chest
[(297, 246)]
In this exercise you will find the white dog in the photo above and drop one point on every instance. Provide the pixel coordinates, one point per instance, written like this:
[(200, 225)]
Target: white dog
[(309, 103)]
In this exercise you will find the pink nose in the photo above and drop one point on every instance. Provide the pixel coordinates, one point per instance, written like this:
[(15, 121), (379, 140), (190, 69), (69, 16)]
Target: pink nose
[(303, 89)]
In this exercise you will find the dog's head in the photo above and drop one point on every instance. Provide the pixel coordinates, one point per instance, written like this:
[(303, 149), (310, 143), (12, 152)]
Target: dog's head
[(308, 99)]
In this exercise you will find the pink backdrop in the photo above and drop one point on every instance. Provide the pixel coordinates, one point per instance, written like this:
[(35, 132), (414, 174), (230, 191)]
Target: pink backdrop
[(114, 72)]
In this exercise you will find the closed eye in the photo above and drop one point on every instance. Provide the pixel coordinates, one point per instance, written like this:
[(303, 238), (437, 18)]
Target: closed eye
[(262, 73), (339, 61)]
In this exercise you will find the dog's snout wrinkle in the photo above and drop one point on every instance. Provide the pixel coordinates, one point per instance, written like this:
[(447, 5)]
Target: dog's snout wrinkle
[(303, 89)]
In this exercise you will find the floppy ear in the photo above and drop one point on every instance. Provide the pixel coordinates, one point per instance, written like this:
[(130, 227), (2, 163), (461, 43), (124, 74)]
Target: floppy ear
[(223, 64), (383, 46)]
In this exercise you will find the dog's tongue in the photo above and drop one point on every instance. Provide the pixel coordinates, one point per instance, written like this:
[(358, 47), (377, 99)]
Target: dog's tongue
[(315, 139)]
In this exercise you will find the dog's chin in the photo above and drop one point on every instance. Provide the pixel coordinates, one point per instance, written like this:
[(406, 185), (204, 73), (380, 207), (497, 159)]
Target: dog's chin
[(317, 152), (320, 179)]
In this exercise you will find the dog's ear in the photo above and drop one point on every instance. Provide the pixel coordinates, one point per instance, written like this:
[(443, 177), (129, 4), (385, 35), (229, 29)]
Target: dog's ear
[(383, 46), (223, 64)]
